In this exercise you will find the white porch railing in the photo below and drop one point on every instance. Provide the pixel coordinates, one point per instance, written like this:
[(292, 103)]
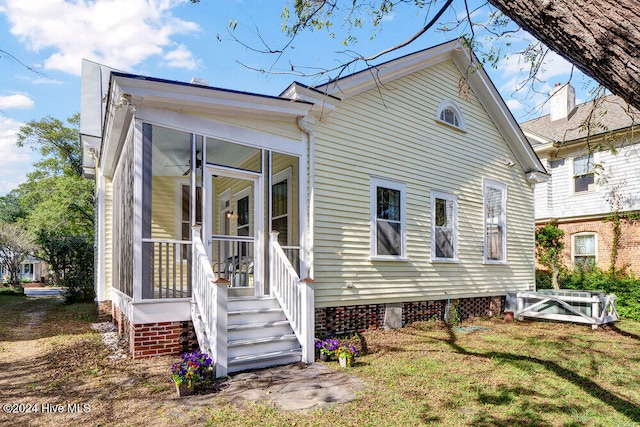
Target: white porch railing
[(209, 306), (296, 297)]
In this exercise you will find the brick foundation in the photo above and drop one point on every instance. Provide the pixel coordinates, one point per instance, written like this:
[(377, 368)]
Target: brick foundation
[(331, 321), (156, 339)]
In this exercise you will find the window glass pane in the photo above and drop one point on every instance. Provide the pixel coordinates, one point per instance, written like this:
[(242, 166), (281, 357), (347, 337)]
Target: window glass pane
[(495, 226), (444, 243), (493, 205), (583, 165), (388, 206), (583, 183), (494, 242), (243, 212), (585, 245), (444, 213), (389, 238), (447, 115), (279, 199)]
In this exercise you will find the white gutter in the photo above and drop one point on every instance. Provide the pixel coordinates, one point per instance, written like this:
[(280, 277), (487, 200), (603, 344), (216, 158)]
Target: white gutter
[(304, 126)]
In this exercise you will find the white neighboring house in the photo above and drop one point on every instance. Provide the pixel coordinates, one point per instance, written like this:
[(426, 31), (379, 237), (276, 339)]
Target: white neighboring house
[(31, 269), (390, 194), (592, 152)]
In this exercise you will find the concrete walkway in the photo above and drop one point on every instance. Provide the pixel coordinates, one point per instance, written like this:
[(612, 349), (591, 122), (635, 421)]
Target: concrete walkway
[(298, 387)]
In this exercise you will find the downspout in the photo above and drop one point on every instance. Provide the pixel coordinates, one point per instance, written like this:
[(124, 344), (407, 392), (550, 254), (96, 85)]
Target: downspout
[(304, 126)]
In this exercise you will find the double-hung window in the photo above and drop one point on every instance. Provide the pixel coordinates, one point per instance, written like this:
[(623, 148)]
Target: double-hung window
[(495, 221), (583, 250), (444, 227), (388, 219)]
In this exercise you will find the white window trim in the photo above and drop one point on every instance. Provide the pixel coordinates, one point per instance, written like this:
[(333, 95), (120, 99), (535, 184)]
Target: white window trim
[(447, 103), (286, 174), (595, 246), (453, 198), (572, 189), (393, 185), (490, 183)]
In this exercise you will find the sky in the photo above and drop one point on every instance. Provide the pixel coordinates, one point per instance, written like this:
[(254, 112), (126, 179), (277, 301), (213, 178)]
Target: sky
[(43, 42)]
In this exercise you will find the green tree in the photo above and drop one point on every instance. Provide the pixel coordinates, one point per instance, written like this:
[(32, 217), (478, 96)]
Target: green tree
[(11, 208), (549, 247), (16, 244), (60, 203), (56, 142)]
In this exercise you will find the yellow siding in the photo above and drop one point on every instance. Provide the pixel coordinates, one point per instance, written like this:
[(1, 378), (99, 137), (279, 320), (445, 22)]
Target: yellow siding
[(163, 205), (391, 132)]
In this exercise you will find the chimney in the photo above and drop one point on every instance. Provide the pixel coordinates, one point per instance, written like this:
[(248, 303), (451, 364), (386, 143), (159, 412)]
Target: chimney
[(562, 101)]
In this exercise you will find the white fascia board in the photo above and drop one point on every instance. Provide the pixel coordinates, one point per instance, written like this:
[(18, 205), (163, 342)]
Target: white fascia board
[(535, 137), (118, 118), (209, 100), (322, 101), (375, 75), (495, 106)]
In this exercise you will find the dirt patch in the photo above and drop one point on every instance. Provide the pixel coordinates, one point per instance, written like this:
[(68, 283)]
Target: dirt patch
[(56, 368)]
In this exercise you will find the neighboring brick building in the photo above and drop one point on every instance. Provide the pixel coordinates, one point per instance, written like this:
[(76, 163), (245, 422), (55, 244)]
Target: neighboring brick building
[(592, 152)]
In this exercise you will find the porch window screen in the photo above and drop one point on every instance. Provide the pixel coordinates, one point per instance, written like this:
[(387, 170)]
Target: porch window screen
[(495, 221), (279, 214), (388, 222), (583, 173)]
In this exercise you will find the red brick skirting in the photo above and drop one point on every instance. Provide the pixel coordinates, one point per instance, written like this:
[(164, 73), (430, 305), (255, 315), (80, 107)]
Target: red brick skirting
[(156, 339)]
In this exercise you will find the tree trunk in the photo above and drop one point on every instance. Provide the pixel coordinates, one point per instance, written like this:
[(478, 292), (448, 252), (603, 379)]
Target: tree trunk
[(600, 37)]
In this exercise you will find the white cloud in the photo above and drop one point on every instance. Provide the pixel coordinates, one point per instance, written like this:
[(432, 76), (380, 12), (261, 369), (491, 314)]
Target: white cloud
[(181, 57), (16, 161), (17, 100), (117, 33)]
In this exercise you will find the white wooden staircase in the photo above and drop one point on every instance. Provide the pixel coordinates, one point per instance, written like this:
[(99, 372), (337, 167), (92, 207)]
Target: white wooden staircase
[(249, 333), (259, 335)]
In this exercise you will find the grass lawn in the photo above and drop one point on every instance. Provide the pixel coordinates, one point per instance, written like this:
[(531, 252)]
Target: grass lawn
[(518, 374)]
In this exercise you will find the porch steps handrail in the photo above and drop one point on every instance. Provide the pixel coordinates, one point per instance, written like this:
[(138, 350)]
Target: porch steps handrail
[(296, 296), (209, 306)]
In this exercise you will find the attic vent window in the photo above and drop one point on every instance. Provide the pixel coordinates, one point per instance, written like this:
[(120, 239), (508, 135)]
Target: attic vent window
[(449, 116), (449, 113)]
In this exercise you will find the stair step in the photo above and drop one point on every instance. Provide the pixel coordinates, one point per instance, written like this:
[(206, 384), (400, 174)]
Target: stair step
[(260, 315), (255, 311), (263, 360), (254, 341), (258, 325), (255, 330), (255, 303)]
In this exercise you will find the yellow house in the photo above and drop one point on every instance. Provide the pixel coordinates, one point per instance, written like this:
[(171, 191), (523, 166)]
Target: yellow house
[(253, 223)]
